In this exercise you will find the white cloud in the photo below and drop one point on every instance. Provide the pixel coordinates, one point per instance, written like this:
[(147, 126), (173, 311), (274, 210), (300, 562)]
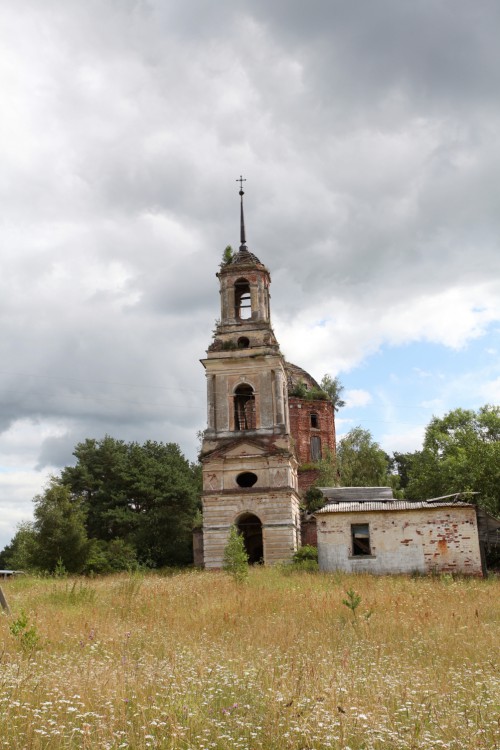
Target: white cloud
[(491, 391), (403, 441), (357, 397), (17, 489)]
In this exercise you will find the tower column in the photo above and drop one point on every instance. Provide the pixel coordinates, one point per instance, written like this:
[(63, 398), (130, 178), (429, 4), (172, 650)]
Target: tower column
[(211, 407), (278, 395)]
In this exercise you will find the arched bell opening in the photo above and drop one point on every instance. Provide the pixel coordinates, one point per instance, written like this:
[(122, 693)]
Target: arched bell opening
[(250, 528), (244, 408), (243, 299)]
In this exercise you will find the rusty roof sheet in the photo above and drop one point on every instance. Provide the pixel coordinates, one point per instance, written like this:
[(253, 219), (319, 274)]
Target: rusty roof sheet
[(388, 505)]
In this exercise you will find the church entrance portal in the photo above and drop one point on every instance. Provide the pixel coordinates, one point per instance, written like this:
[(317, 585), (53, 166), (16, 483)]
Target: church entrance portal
[(250, 528)]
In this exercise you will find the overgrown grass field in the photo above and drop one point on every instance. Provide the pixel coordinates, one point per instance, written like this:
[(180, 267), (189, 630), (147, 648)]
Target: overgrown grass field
[(194, 660)]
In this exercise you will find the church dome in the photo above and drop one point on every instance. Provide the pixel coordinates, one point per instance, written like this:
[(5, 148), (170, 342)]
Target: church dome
[(296, 375), (244, 257)]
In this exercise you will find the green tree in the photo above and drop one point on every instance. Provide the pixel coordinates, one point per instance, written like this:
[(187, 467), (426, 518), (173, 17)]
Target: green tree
[(146, 495), (461, 451), (59, 527), (227, 255), (361, 462), (328, 471), (99, 477), (333, 388), (402, 463), (235, 561), (110, 557), (19, 554)]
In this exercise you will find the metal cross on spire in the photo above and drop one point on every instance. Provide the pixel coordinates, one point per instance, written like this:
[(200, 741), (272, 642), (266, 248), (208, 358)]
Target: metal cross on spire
[(241, 180)]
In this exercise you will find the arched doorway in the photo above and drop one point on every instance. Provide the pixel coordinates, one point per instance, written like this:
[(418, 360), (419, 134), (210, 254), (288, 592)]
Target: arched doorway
[(250, 527)]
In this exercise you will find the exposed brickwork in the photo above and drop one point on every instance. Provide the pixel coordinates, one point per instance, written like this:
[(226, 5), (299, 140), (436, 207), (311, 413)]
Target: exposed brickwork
[(306, 479), (309, 533), (302, 431)]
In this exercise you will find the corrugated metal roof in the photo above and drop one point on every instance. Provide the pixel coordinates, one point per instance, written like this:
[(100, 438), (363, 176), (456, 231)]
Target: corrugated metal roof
[(445, 497), (358, 507), (357, 494)]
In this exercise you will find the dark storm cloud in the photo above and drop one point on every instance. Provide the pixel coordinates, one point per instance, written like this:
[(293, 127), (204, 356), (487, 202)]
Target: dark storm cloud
[(438, 53)]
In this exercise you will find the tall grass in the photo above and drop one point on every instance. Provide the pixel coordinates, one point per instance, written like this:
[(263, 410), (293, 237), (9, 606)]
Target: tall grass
[(197, 661)]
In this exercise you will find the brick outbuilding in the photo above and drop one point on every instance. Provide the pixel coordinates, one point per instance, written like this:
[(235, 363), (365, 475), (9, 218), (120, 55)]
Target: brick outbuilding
[(365, 530)]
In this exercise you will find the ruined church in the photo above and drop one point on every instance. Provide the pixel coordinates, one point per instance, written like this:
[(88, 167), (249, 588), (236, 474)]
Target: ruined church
[(269, 423)]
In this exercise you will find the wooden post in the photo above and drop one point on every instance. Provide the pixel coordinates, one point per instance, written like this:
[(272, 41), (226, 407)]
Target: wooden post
[(3, 602)]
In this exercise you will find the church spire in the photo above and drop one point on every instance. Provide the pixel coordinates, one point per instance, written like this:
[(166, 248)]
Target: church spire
[(243, 256), (243, 240)]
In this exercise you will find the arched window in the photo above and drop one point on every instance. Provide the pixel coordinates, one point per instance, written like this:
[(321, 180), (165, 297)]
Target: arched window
[(244, 408), (242, 299)]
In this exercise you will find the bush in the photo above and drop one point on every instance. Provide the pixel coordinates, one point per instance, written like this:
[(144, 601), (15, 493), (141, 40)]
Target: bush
[(307, 552), (305, 560), (111, 557), (300, 390)]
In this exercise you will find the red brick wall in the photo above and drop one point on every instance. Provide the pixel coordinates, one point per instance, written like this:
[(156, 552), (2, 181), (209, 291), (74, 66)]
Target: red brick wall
[(301, 430), (308, 532), (307, 478)]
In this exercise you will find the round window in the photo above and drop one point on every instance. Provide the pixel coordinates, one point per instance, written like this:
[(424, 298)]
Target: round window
[(247, 479), (243, 342)]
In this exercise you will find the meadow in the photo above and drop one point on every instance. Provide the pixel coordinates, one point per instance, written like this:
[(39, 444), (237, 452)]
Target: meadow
[(194, 660)]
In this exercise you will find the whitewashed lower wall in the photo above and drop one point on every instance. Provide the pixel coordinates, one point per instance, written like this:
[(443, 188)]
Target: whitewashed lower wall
[(279, 513), (423, 540)]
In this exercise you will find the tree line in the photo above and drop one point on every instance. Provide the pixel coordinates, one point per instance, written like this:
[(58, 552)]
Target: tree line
[(460, 453)]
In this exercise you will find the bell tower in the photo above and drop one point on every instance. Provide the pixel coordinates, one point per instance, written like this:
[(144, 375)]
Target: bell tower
[(249, 465)]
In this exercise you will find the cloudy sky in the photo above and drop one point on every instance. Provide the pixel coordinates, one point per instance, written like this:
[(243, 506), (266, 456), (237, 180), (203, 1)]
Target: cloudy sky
[(368, 134)]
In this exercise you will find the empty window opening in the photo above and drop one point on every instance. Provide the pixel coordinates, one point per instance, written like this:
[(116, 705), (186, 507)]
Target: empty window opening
[(243, 342), (360, 533), (246, 479), (244, 408), (314, 420), (243, 300), (315, 448), (250, 528)]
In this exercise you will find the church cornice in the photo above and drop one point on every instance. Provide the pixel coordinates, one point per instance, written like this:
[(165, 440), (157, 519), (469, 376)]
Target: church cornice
[(264, 443)]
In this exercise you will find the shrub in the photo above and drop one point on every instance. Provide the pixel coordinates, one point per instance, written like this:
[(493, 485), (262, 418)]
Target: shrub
[(307, 552), (235, 556), (111, 557), (25, 633)]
